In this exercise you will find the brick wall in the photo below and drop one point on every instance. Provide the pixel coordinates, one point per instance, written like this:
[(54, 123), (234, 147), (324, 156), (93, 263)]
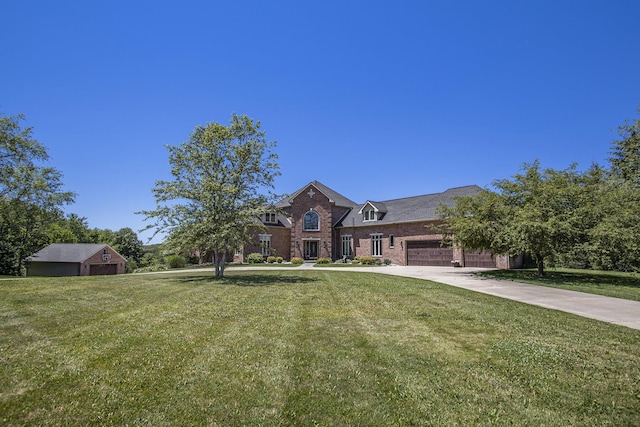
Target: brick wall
[(361, 239), (115, 258), (311, 199)]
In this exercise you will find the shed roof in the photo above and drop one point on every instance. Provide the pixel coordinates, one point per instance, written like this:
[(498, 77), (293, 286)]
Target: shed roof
[(68, 252)]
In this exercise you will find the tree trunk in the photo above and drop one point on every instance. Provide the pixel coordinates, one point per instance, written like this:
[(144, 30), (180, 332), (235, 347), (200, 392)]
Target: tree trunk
[(540, 265), (218, 258)]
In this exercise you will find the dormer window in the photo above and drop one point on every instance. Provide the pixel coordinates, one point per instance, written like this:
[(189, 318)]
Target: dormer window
[(370, 215), (269, 218)]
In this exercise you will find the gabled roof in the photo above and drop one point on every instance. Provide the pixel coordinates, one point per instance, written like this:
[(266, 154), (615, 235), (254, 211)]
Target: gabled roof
[(334, 197), (68, 252), (410, 209), (376, 206)]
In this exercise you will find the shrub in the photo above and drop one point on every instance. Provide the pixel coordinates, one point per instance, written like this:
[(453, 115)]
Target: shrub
[(387, 261), (297, 260), (176, 261), (367, 260), (323, 261), (279, 259), (271, 259), (255, 258)]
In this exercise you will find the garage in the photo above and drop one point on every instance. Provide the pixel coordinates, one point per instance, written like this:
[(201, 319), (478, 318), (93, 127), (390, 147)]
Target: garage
[(429, 253), (75, 259), (103, 269), (481, 259)]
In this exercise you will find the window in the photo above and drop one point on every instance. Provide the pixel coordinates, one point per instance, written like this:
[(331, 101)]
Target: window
[(265, 244), (370, 215), (311, 221), (346, 246), (270, 218), (391, 241), (376, 245)]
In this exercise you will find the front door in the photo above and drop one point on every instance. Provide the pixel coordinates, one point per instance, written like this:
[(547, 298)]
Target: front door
[(310, 249)]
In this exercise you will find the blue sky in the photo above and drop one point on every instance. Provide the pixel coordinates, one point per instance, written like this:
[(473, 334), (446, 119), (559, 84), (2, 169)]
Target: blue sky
[(377, 100)]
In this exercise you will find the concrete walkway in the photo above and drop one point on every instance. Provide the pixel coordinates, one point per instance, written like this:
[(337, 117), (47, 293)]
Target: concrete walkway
[(607, 309)]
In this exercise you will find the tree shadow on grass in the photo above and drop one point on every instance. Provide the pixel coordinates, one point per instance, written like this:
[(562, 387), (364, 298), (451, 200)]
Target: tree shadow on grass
[(247, 280)]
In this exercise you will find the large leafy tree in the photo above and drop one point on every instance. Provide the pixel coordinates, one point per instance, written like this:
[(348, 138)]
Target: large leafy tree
[(30, 194), (533, 212), (222, 181)]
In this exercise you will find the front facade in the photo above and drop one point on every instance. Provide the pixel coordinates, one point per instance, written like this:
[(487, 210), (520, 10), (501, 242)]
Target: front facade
[(75, 259), (317, 222)]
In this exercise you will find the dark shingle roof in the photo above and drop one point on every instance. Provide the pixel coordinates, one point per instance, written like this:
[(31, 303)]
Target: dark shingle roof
[(410, 209), (67, 252)]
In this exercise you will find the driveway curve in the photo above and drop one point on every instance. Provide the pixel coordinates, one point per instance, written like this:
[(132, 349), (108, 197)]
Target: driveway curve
[(607, 309)]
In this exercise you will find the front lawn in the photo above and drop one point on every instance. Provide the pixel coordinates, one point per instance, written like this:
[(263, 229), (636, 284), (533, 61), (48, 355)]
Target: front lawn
[(609, 283), (302, 347)]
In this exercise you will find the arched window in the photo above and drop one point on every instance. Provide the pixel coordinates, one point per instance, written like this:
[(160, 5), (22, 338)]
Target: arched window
[(311, 221)]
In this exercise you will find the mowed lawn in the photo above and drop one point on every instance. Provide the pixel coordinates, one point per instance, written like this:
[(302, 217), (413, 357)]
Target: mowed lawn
[(302, 348)]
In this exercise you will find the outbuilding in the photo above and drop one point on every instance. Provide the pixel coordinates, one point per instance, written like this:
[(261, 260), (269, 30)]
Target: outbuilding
[(75, 259)]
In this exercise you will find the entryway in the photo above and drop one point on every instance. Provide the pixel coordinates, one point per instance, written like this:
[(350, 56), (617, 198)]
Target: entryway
[(311, 249)]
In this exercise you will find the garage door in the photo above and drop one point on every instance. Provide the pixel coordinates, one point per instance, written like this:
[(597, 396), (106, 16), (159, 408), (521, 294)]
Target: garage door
[(479, 259), (103, 269), (425, 252)]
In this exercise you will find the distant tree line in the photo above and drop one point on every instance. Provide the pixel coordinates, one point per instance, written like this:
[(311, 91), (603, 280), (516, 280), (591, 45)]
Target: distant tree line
[(567, 218)]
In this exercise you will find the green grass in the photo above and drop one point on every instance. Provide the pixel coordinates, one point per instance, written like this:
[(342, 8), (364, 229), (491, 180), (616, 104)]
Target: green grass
[(610, 283), (302, 348)]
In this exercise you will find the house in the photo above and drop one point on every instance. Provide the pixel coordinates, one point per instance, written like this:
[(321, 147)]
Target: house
[(316, 221), (75, 259)]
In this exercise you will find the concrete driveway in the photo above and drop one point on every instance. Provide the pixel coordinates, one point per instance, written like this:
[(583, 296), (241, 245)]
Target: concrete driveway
[(613, 310), (607, 309)]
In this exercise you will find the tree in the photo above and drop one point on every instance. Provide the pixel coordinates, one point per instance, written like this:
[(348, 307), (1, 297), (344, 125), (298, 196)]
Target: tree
[(533, 212), (625, 154), (126, 243), (222, 181), (30, 194)]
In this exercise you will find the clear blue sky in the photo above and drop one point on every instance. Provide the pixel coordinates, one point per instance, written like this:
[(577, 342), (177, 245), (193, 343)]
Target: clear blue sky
[(376, 99)]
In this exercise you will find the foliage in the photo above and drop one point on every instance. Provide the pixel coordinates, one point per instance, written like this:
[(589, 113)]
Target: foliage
[(31, 194), (625, 154), (217, 192), (367, 260), (539, 211), (271, 259), (387, 261), (279, 259), (303, 348), (176, 261), (323, 261), (126, 243), (297, 260), (255, 258)]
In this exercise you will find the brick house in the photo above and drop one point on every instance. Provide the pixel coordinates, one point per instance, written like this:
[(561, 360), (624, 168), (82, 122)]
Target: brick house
[(316, 221), (75, 259)]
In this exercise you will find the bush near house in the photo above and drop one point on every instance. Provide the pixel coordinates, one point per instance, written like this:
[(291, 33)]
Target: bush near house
[(297, 260), (279, 259), (255, 258), (324, 261), (271, 259), (367, 260)]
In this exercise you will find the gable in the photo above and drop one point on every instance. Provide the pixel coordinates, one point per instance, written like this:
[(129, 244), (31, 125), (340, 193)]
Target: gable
[(317, 189)]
